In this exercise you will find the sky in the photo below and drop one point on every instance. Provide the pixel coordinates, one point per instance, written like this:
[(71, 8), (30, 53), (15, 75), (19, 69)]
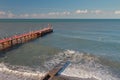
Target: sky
[(60, 9)]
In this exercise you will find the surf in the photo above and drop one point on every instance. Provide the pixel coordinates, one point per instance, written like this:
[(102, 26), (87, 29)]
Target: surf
[(82, 66)]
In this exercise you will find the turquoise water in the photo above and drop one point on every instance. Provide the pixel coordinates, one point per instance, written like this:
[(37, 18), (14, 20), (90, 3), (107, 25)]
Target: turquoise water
[(90, 43)]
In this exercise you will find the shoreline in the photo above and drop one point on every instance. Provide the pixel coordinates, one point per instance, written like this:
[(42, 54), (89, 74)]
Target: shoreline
[(8, 76), (62, 77)]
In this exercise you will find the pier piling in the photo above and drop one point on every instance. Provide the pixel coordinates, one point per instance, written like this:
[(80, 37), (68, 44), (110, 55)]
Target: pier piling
[(19, 39)]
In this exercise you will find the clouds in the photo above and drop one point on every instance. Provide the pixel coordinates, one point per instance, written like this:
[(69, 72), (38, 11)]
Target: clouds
[(59, 14), (2, 13), (97, 12), (117, 12), (8, 14), (81, 11)]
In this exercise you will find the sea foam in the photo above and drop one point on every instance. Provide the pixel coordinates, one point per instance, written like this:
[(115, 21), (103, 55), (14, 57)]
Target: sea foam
[(83, 65), (9, 74)]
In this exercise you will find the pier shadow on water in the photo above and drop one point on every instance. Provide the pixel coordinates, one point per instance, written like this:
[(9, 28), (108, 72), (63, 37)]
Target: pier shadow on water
[(4, 52)]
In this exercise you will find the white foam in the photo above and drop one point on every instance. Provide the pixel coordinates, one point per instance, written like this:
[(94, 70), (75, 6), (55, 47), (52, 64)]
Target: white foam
[(82, 65), (19, 74), (76, 71)]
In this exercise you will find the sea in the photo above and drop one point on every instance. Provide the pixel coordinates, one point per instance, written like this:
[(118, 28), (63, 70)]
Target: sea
[(91, 45)]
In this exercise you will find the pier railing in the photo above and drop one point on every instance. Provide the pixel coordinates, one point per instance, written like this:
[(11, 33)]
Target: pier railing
[(19, 39)]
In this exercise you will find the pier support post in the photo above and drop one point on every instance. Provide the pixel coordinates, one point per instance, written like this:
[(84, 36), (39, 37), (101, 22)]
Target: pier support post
[(1, 46), (18, 39)]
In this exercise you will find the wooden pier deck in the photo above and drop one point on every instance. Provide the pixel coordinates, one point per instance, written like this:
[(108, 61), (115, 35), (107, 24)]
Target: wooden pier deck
[(23, 38)]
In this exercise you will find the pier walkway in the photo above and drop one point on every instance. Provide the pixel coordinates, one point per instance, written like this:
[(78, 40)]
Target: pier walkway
[(23, 38)]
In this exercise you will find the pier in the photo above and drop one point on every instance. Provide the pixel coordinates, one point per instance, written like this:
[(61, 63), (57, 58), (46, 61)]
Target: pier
[(23, 38)]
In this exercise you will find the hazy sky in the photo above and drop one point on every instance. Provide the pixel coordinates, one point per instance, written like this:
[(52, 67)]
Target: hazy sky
[(60, 9)]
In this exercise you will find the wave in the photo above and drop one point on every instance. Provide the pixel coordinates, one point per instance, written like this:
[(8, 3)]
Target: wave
[(82, 66), (19, 74)]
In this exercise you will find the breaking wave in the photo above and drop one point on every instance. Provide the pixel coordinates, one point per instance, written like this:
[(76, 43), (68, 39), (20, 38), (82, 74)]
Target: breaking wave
[(82, 65), (21, 73)]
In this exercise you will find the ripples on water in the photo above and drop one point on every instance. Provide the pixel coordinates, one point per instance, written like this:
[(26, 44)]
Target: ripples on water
[(91, 46)]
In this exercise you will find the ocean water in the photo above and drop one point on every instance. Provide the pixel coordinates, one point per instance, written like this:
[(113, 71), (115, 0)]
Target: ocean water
[(91, 45)]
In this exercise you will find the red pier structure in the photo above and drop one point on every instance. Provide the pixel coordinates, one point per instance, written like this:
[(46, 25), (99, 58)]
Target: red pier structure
[(19, 39)]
